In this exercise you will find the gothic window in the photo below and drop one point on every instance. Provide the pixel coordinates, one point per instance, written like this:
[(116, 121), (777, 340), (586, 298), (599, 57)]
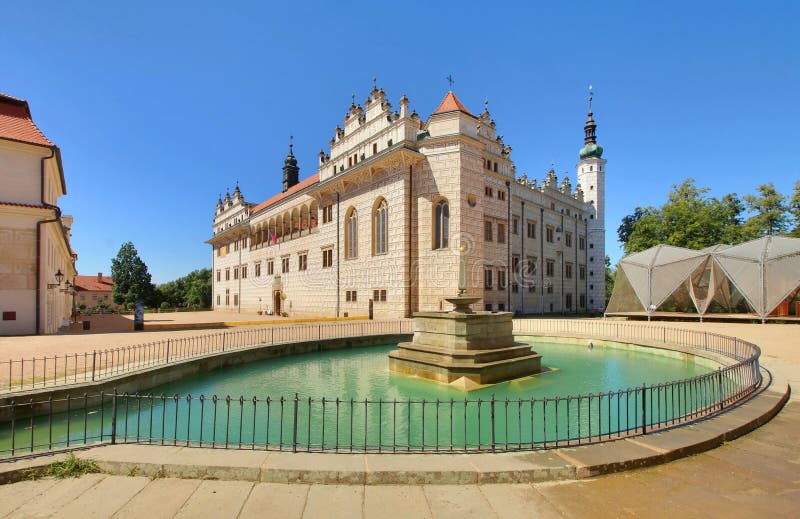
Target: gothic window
[(549, 234), (441, 218), (487, 230), (351, 233), (380, 227), (568, 239), (501, 233)]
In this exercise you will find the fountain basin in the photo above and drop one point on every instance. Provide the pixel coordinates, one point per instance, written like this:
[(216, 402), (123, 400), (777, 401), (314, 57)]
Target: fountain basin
[(468, 349)]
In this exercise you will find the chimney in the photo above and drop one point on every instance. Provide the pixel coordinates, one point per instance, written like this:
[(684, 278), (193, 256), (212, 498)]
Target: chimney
[(99, 277)]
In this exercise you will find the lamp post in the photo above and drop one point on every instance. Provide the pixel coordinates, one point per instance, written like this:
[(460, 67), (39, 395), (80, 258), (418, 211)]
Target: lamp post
[(59, 278)]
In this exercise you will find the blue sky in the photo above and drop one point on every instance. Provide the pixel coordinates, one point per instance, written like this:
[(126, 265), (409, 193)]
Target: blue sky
[(159, 106)]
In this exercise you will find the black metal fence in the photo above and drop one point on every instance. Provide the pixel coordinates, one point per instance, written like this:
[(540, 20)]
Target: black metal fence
[(351, 425), (26, 374)]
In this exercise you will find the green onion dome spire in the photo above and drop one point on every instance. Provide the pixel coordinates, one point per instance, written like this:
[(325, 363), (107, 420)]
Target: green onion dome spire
[(590, 148)]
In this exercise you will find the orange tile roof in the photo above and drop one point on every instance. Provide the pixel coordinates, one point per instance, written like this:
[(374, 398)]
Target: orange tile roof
[(451, 103), (91, 284), (17, 124), (280, 196)]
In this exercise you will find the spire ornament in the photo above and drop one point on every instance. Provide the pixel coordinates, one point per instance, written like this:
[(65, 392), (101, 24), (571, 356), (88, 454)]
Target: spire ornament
[(590, 148)]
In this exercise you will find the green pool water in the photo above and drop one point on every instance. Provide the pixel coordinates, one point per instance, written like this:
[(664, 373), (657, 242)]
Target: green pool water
[(363, 372), (348, 400)]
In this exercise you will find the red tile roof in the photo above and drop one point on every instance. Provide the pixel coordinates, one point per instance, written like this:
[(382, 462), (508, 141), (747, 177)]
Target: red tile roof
[(91, 283), (451, 103), (313, 179), (16, 122)]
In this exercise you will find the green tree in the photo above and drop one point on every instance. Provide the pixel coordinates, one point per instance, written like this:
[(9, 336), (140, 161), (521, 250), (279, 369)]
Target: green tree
[(611, 277), (191, 290), (132, 281), (732, 209), (689, 219), (771, 211), (794, 209), (629, 222), (692, 219)]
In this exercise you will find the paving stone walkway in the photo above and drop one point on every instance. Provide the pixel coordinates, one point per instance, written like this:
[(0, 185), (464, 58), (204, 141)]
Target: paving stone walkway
[(756, 475)]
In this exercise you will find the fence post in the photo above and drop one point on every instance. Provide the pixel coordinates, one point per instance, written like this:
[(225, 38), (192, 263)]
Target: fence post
[(114, 418), (94, 362), (644, 409), (223, 340), (294, 427), (492, 416), (167, 361), (719, 389)]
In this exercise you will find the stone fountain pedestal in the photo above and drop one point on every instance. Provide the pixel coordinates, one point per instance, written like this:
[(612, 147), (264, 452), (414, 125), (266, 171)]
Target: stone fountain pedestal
[(464, 348)]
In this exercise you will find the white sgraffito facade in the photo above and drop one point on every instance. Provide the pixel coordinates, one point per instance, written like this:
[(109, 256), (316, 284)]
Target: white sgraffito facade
[(530, 247)]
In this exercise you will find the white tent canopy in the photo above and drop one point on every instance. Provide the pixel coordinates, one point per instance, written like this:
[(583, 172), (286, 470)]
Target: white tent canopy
[(765, 271)]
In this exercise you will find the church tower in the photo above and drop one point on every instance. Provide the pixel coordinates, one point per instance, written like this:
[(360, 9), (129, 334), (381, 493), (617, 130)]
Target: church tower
[(291, 173), (591, 177)]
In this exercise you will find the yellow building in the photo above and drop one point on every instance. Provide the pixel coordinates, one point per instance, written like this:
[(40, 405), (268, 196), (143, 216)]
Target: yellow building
[(92, 290), (37, 264)]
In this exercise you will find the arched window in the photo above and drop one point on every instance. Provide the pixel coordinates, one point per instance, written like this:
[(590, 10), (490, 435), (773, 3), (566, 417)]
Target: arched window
[(380, 227), (441, 224), (351, 233)]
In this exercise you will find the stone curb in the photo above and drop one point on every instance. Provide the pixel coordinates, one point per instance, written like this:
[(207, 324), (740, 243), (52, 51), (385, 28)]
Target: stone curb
[(435, 469)]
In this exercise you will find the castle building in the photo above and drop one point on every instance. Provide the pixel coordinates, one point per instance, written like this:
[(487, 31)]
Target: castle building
[(378, 228), (37, 263)]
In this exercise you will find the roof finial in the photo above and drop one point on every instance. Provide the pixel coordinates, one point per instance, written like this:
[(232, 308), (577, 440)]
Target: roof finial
[(374, 83), (353, 102), (591, 94), (450, 81), (486, 104), (291, 143)]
